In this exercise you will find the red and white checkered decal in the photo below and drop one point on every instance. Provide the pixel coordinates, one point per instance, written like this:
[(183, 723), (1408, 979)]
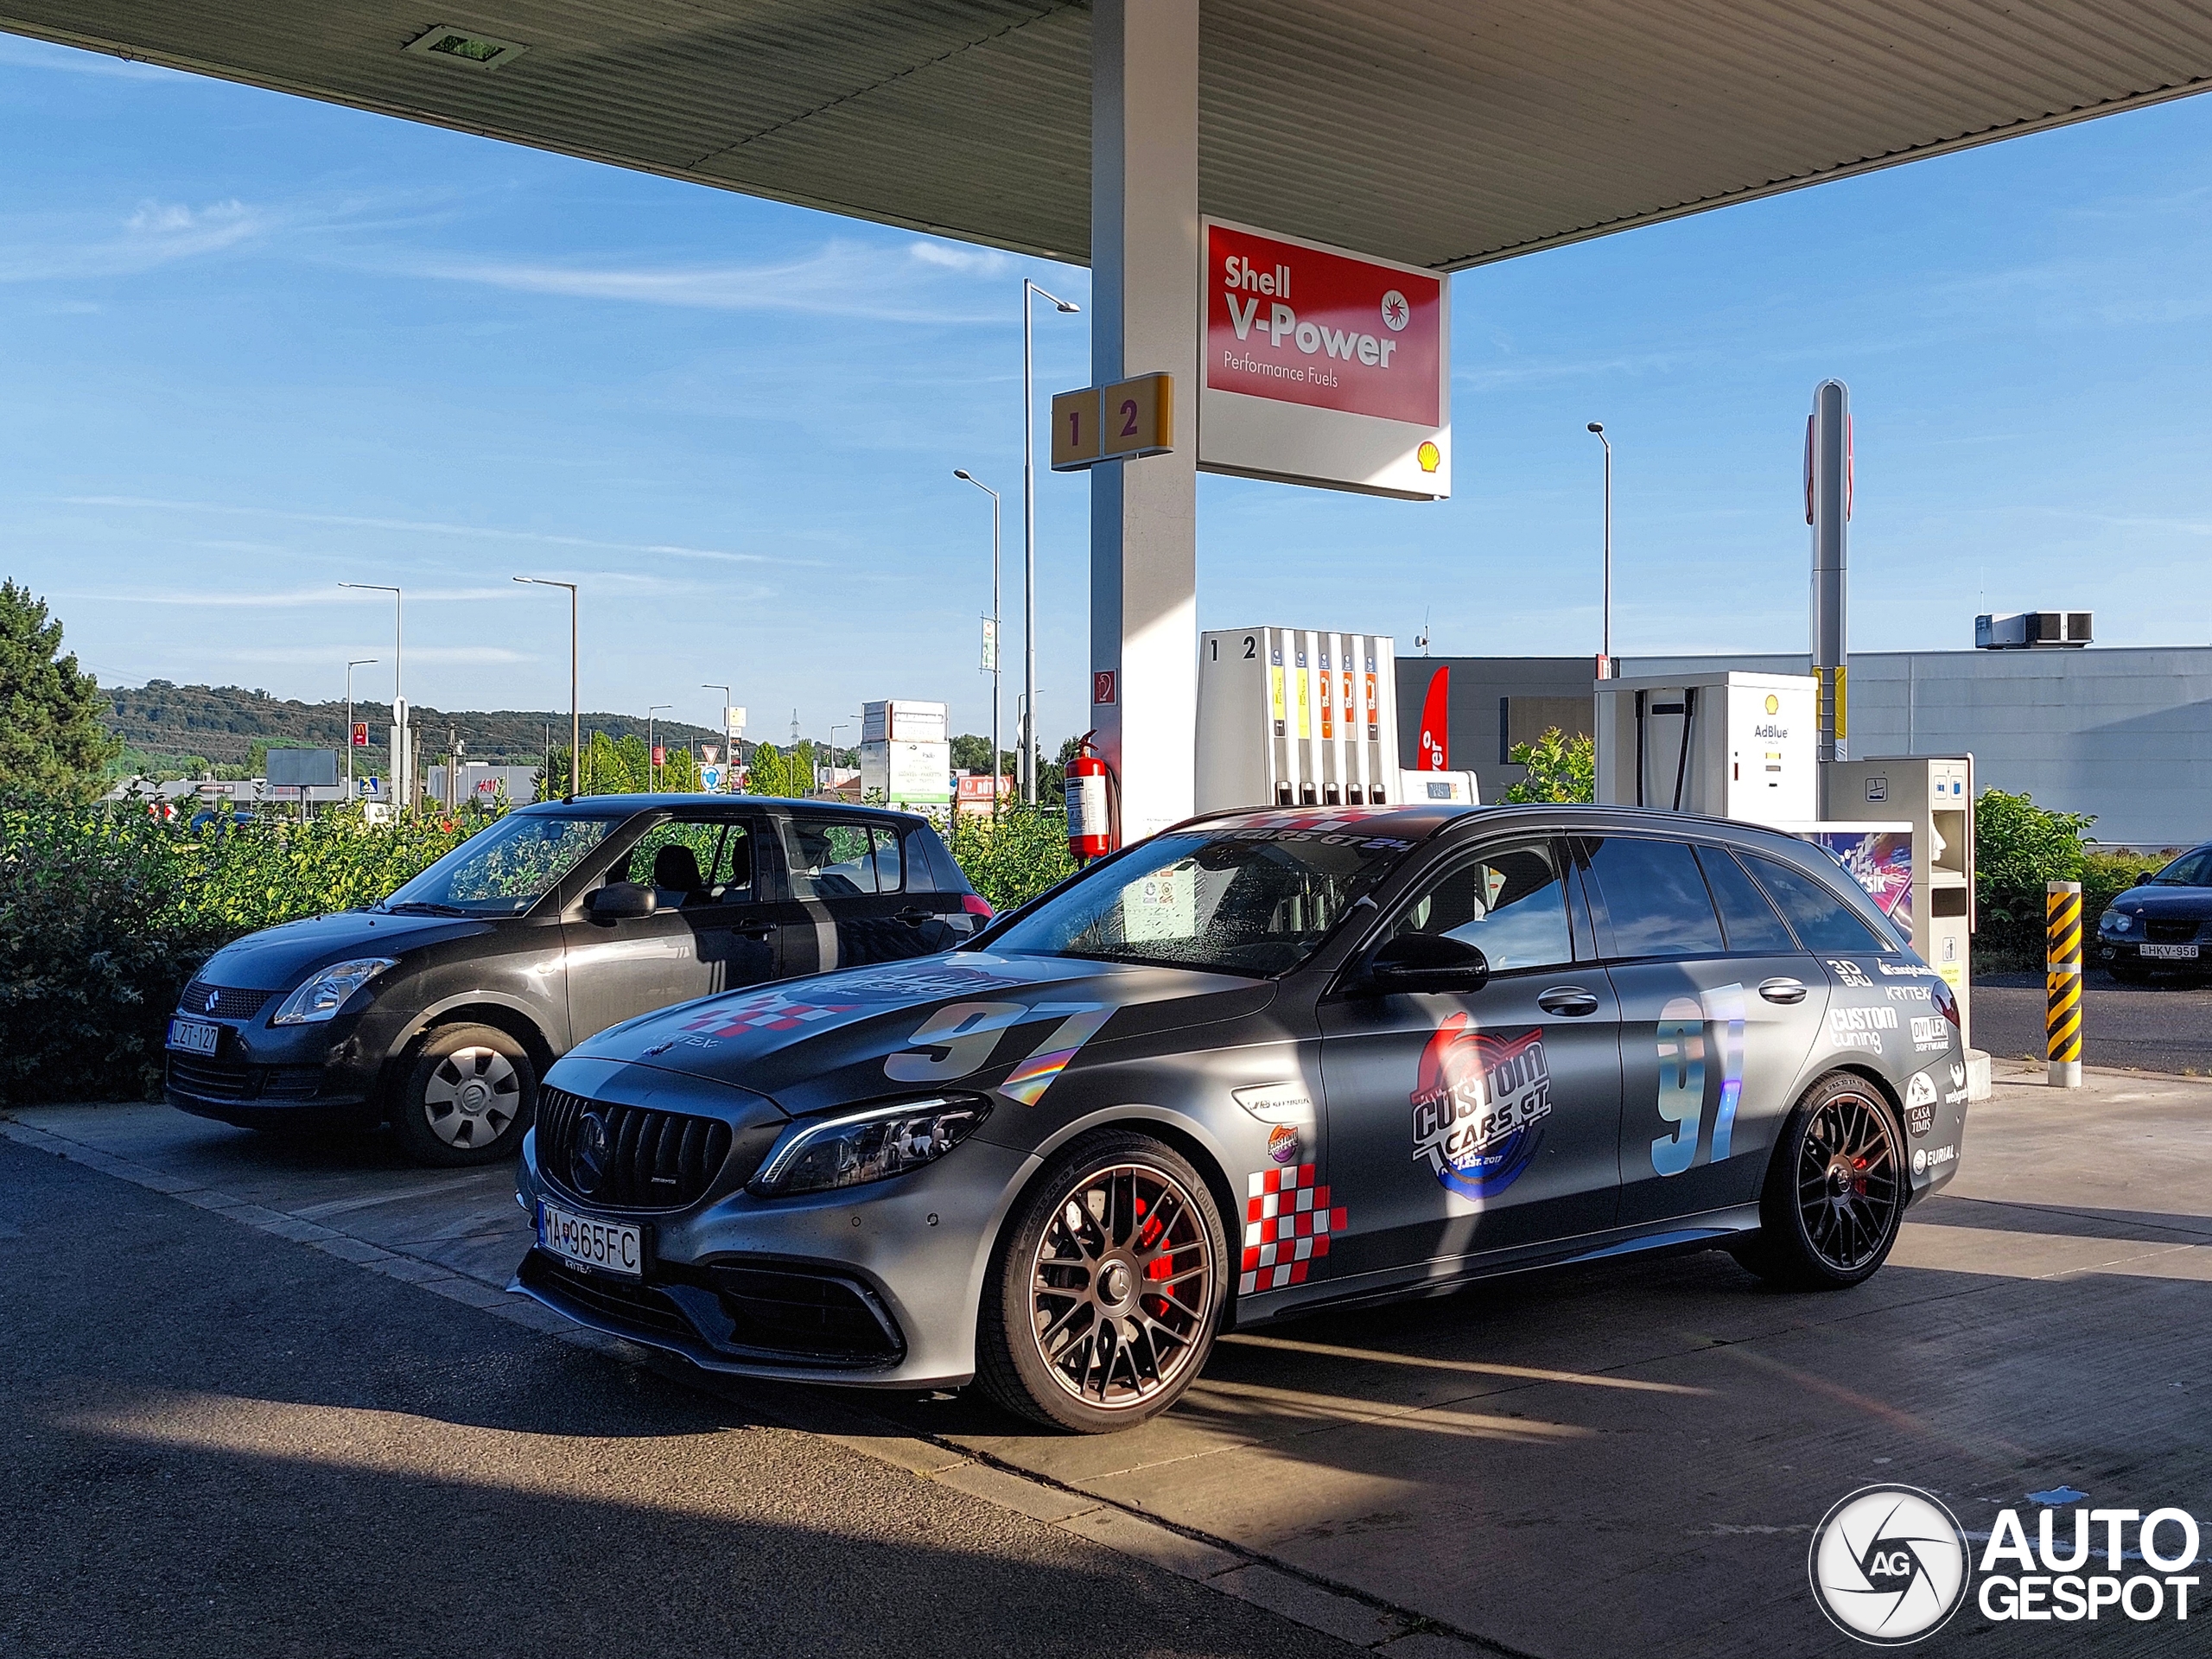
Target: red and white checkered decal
[(1288, 1222), (764, 1011)]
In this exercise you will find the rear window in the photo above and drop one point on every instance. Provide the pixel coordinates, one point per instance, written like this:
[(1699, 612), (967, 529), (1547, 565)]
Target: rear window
[(1654, 898), (842, 858), (1822, 921)]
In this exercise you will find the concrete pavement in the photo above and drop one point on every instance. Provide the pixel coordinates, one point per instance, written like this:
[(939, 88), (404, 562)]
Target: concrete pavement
[(1614, 1459)]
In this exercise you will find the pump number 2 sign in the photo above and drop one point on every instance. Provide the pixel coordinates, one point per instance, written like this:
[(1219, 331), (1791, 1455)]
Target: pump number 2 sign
[(1116, 422)]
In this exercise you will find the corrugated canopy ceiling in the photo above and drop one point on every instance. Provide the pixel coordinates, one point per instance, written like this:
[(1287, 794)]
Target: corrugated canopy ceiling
[(1440, 134)]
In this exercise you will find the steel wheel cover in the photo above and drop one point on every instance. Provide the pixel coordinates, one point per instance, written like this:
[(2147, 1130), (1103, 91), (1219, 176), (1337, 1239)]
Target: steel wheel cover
[(473, 1095), (1122, 1285), (1848, 1189)]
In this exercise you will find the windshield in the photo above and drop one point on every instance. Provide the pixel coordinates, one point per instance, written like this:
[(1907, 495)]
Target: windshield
[(1253, 901), (503, 870), (2188, 871)]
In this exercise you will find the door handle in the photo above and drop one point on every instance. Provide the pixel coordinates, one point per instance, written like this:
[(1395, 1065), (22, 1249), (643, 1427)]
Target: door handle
[(1571, 1001), (1782, 990), (754, 929), (915, 915)]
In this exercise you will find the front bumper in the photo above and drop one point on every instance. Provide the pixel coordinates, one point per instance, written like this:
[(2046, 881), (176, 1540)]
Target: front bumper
[(2116, 952), (875, 1286), (263, 1075)]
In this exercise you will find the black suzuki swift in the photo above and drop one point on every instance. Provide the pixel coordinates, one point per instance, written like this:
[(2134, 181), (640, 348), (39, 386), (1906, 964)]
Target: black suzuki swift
[(439, 1009)]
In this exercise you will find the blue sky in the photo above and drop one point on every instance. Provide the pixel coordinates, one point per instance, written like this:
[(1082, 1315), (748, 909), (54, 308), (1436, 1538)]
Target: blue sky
[(251, 346)]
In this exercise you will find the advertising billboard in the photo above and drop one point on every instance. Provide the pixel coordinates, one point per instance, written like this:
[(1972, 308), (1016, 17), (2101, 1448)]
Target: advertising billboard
[(1323, 366)]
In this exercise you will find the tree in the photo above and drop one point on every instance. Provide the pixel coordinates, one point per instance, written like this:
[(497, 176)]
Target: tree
[(971, 752), (1561, 768), (51, 741), (785, 773)]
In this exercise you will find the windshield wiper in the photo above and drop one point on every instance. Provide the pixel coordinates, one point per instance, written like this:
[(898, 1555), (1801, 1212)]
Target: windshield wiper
[(423, 907)]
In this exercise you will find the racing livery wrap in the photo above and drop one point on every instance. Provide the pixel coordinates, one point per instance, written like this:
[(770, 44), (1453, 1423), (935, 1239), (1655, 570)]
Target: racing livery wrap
[(1261, 1063)]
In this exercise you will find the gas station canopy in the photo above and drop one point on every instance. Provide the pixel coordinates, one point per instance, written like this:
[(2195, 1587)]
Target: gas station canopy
[(1444, 133)]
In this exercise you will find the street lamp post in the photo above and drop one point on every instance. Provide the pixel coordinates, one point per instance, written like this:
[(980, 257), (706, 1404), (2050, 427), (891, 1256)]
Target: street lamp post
[(836, 727), (359, 661), (402, 761), (1029, 544), (1605, 623), (576, 717), (730, 760), (995, 630), (650, 713)]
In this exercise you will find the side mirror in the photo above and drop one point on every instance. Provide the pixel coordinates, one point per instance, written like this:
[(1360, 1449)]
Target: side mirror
[(1428, 961), (620, 900)]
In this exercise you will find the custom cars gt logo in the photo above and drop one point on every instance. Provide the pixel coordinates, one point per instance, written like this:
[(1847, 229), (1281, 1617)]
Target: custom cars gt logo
[(1479, 1105)]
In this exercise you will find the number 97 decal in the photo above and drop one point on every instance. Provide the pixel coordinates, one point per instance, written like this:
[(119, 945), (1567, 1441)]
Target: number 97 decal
[(958, 1039), (1684, 1045)]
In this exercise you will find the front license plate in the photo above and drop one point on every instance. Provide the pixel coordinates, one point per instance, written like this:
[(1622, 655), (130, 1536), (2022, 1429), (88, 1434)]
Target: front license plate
[(194, 1036), (616, 1247), (2169, 952)]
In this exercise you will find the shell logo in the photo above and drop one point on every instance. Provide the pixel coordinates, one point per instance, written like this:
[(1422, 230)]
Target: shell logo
[(1397, 313), (1773, 704), (1431, 457)]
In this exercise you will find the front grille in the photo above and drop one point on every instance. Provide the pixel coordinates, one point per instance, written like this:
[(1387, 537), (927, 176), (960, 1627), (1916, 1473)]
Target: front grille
[(225, 1080), (802, 1312), (231, 1003), (210, 1079), (2163, 932), (655, 1160)]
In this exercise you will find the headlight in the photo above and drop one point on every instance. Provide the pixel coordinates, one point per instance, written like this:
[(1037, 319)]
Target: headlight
[(325, 992), (819, 1154), (2114, 921)]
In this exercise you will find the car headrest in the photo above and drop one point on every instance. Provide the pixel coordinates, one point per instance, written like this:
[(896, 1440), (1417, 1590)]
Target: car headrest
[(677, 868)]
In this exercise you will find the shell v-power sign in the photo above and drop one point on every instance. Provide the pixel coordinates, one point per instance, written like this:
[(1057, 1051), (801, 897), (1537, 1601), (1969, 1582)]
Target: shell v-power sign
[(1323, 366)]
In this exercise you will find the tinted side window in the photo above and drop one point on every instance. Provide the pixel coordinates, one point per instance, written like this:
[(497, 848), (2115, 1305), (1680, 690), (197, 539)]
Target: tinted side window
[(836, 858), (1654, 898), (1748, 920), (1506, 901), (1822, 921)]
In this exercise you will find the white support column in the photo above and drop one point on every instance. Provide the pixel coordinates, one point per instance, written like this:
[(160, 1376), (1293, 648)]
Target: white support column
[(1144, 265)]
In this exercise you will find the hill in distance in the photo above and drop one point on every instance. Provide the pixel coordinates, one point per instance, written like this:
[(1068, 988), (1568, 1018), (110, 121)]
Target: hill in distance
[(223, 723)]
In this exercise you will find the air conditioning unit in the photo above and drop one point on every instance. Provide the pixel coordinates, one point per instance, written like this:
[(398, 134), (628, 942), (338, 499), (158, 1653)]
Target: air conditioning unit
[(2032, 630)]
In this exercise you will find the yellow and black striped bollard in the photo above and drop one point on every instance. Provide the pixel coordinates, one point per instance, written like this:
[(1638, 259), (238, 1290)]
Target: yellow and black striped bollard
[(2062, 980)]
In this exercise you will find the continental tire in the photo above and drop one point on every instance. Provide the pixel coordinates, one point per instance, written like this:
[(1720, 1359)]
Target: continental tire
[(1106, 1289), (1835, 1193), (466, 1098)]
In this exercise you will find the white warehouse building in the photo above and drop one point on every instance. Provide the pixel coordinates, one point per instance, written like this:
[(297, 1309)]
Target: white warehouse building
[(2124, 733)]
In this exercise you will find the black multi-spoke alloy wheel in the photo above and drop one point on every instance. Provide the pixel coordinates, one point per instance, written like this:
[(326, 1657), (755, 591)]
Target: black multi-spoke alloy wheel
[(467, 1097), (1836, 1191), (1102, 1301)]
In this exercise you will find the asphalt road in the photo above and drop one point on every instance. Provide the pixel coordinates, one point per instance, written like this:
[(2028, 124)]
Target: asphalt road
[(2165, 1026), (221, 1443)]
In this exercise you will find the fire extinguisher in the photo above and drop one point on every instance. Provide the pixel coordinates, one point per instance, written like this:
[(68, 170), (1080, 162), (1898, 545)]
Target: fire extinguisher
[(1089, 806)]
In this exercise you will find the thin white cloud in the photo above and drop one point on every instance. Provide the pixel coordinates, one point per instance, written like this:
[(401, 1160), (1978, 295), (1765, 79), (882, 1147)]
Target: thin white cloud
[(279, 601), (320, 654), (154, 234), (838, 279), (972, 262), (421, 527)]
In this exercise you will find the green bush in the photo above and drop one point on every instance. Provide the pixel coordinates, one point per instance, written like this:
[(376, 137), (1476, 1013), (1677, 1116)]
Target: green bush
[(2018, 847), (106, 912), (1013, 857), (1561, 768)]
